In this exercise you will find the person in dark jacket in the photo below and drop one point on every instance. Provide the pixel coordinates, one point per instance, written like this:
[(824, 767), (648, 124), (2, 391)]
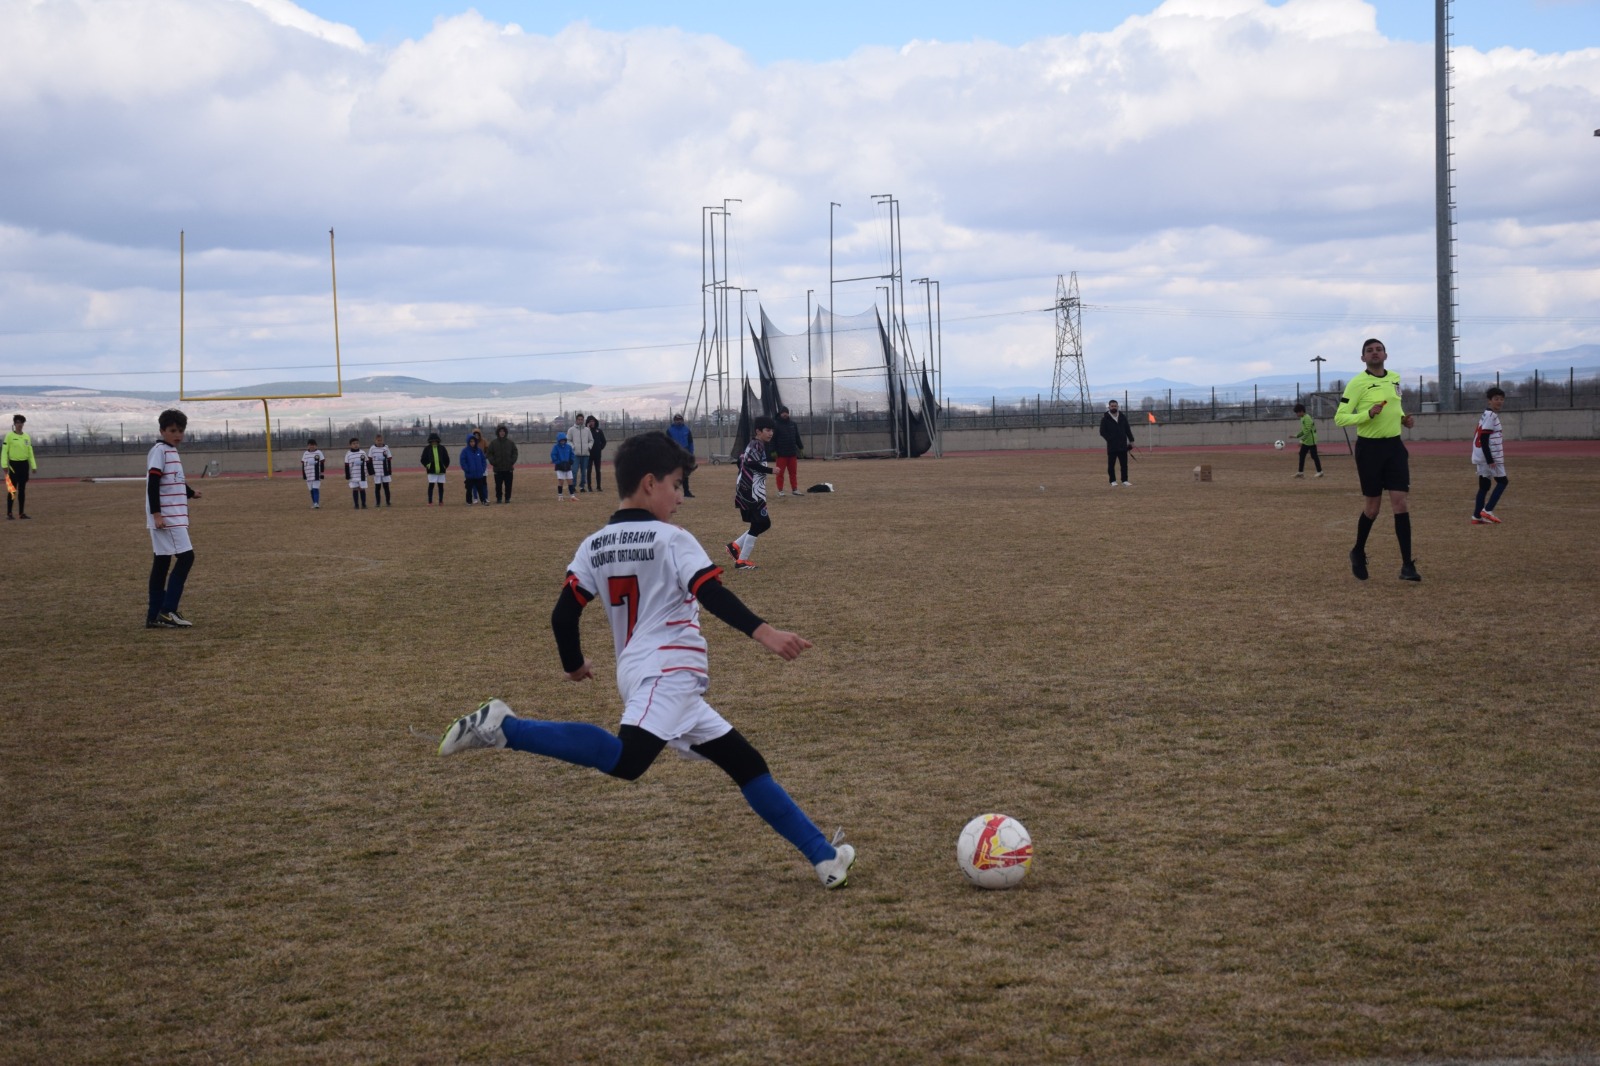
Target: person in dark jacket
[(597, 446), (435, 460), (787, 444), (502, 455), (1119, 439), (679, 431), (475, 469)]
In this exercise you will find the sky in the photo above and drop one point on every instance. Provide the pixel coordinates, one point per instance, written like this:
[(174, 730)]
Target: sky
[(518, 190)]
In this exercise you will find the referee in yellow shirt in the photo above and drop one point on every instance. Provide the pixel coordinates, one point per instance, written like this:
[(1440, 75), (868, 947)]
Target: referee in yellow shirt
[(1372, 404)]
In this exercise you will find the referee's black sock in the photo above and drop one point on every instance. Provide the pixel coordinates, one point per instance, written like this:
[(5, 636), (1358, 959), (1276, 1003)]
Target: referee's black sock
[(1402, 532), (1363, 527)]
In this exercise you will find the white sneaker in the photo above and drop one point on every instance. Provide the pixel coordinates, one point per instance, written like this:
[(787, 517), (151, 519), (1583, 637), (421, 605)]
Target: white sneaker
[(1301, 474), (1127, 484), (480, 729), (1319, 473), (782, 493), (1113, 484), (835, 872)]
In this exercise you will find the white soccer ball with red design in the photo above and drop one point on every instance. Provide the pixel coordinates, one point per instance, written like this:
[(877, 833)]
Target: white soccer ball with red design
[(994, 851)]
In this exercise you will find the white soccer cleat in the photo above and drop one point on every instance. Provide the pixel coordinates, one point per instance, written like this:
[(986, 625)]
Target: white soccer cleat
[(480, 729), (835, 872)]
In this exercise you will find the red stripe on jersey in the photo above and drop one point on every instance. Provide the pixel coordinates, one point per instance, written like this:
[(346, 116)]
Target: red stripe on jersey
[(680, 647), (701, 578), (679, 669), (578, 590)]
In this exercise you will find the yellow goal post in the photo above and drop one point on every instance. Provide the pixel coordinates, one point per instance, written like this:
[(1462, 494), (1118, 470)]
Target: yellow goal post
[(266, 409)]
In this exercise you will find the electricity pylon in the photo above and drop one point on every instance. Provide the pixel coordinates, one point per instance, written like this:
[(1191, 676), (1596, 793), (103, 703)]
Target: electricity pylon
[(1069, 346)]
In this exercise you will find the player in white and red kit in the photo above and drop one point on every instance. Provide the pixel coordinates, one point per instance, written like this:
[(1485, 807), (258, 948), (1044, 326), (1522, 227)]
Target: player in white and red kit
[(380, 462), (313, 464), (166, 516), (651, 578), (355, 471), (750, 493), (1488, 455)]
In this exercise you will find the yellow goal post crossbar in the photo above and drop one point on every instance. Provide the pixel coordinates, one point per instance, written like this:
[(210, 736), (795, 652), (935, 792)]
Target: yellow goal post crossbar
[(266, 410)]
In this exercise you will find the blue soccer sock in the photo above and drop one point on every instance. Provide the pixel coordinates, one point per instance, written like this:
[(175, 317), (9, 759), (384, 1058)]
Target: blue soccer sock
[(574, 742), (768, 799)]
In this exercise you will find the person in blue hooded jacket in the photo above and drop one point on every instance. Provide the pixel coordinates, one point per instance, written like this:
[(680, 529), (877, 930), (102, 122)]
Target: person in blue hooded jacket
[(475, 468), (561, 457)]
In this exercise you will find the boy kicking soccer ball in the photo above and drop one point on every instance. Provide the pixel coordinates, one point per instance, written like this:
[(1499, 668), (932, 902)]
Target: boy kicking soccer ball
[(652, 578)]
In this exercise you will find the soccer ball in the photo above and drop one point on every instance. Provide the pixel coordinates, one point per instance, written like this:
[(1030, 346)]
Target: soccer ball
[(994, 851), (1278, 444)]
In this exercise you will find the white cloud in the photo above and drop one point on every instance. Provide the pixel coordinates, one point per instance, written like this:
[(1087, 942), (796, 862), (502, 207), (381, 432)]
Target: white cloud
[(1236, 183)]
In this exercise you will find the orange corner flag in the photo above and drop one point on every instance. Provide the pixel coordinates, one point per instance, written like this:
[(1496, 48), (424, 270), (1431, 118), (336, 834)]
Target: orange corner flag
[(1152, 415)]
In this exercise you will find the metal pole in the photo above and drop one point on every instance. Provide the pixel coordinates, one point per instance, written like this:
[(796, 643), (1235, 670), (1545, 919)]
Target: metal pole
[(811, 413), (833, 449), (1443, 208)]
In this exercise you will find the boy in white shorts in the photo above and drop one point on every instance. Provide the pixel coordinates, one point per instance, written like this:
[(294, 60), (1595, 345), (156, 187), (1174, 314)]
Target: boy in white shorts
[(1488, 455), (435, 460), (652, 578), (166, 516), (313, 464), (380, 460), (355, 471)]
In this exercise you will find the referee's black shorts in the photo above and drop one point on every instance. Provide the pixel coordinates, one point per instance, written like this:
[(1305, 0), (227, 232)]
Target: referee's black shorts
[(1383, 464)]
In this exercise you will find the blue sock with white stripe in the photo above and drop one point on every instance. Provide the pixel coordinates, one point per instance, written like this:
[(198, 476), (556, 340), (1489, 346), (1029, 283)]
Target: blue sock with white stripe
[(768, 799), (574, 742)]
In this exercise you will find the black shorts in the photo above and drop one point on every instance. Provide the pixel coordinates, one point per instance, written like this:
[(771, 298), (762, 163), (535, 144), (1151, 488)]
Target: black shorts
[(1383, 464), (752, 514)]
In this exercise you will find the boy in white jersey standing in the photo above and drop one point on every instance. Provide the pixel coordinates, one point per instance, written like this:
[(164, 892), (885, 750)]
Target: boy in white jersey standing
[(380, 460), (355, 471), (166, 511), (313, 464), (652, 578), (750, 493), (1490, 459)]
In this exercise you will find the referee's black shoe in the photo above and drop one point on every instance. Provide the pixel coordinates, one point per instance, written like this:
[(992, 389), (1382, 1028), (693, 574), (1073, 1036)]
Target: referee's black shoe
[(1408, 571), (1358, 563)]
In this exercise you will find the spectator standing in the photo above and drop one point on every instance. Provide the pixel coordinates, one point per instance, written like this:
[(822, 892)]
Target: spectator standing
[(787, 444), (502, 453), (435, 461), (582, 441), (680, 432), (475, 470), (595, 448)]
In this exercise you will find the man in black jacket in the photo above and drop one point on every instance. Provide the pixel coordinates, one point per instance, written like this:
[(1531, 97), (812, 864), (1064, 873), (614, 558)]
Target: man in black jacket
[(788, 446), (1119, 439)]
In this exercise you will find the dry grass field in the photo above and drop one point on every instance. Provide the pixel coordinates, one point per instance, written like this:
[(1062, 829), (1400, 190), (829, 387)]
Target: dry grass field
[(1280, 815)]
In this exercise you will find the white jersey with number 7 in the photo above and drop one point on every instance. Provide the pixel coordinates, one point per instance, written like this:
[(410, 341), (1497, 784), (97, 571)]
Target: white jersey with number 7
[(646, 573)]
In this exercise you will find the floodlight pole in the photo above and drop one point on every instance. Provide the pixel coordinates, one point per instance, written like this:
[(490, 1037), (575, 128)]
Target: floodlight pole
[(1319, 360), (811, 412), (833, 385), (1445, 235), (933, 421)]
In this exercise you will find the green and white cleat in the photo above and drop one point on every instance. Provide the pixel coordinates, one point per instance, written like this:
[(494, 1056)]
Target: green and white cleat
[(480, 729), (835, 872)]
